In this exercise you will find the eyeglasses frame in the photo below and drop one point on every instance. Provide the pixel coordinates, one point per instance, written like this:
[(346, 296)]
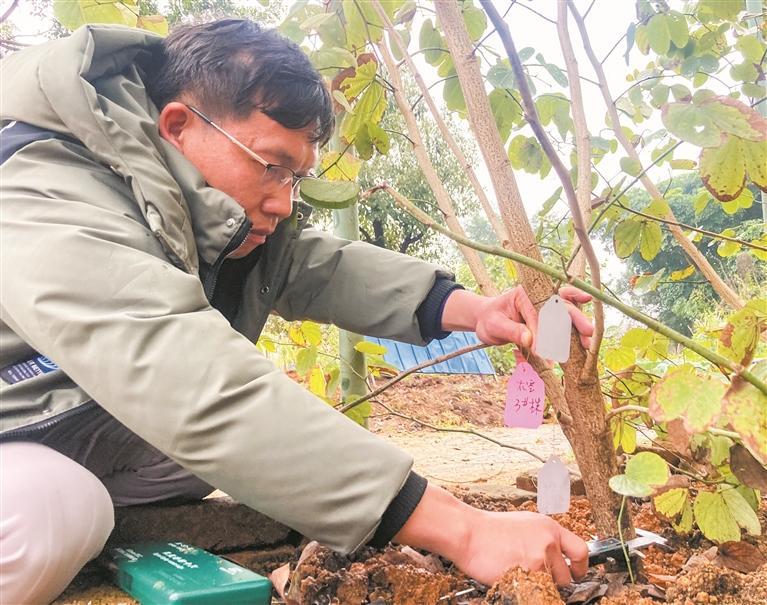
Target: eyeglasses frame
[(295, 178)]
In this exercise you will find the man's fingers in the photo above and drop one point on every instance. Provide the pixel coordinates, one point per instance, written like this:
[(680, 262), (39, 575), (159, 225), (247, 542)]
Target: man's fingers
[(582, 323), (557, 565), (528, 314), (575, 295), (577, 551)]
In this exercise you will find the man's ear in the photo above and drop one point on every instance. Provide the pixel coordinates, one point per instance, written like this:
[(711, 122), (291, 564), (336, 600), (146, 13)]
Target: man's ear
[(176, 122)]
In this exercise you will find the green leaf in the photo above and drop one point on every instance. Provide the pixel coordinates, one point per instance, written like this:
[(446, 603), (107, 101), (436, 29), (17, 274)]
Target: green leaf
[(626, 237), (726, 10), (644, 472), (371, 348), (475, 20), (687, 394), (631, 166), (154, 23), (680, 92), (501, 75), (368, 110), (619, 358), (671, 503), (723, 169), (359, 413), (733, 117), (74, 13), (332, 386), (659, 95), (700, 202), (714, 518), (689, 123), (429, 38), (556, 73), (652, 240), (379, 138), (682, 273), (750, 495), (755, 91), (453, 94), (306, 359), (312, 332), (317, 382), (637, 338), (755, 154), (658, 34), (362, 20), (745, 407), (682, 164), (329, 194), (506, 111), (626, 486), (327, 59), (314, 21), (648, 468), (677, 29), (684, 525), (750, 47), (336, 167), (741, 511), (526, 154), (550, 202), (363, 77), (648, 283)]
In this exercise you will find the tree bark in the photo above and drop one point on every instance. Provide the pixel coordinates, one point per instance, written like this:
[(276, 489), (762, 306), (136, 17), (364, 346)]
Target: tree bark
[(588, 433), (476, 266)]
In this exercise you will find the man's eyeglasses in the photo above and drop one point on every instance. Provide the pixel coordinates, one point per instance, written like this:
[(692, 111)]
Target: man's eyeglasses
[(274, 175)]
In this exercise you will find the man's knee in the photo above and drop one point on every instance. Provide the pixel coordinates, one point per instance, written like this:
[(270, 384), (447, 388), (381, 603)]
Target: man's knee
[(55, 516)]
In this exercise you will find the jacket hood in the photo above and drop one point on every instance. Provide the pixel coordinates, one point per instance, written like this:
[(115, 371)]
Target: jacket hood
[(89, 86)]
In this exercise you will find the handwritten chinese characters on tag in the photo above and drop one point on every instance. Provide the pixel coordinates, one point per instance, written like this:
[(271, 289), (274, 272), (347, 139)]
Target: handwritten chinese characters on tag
[(524, 398)]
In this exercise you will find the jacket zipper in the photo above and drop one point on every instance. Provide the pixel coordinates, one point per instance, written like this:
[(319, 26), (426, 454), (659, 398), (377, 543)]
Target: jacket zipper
[(42, 425), (234, 244)]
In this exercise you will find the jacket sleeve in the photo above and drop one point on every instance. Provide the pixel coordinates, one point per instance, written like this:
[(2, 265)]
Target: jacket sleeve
[(139, 336), (356, 286)]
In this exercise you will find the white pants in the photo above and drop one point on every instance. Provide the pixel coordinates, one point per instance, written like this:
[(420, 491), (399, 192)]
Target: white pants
[(57, 494)]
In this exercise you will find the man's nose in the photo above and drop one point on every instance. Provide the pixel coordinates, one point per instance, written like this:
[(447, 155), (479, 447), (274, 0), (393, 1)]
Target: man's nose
[(279, 203)]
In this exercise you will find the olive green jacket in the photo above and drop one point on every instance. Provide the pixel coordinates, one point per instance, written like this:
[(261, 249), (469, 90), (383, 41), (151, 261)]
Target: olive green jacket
[(109, 243)]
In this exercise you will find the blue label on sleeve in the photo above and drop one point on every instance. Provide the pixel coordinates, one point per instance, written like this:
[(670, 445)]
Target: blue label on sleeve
[(23, 370)]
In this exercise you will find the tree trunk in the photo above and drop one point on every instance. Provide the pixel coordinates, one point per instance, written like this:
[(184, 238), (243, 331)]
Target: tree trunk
[(583, 403)]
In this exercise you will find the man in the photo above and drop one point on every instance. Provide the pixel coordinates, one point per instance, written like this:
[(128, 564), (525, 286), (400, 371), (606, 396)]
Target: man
[(148, 228)]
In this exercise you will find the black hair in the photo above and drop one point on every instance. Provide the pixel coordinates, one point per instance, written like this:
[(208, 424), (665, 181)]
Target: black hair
[(232, 67)]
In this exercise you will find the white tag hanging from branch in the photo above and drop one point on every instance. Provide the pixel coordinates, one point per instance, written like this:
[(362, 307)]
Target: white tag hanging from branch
[(553, 487), (554, 326)]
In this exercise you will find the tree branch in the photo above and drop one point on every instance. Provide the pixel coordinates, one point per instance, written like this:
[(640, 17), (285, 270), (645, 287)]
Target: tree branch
[(713, 357)]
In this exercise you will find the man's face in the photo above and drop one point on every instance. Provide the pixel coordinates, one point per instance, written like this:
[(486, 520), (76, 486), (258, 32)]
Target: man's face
[(230, 169)]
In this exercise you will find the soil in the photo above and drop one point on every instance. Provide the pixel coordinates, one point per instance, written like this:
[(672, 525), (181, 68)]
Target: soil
[(688, 570)]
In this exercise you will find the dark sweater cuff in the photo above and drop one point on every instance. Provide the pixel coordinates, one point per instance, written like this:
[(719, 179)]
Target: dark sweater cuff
[(399, 510), (429, 313)]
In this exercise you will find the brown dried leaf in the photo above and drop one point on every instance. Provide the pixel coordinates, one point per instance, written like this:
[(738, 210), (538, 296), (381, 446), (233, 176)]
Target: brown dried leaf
[(279, 578), (586, 593), (678, 436), (748, 469), (703, 558), (740, 556), (663, 581)]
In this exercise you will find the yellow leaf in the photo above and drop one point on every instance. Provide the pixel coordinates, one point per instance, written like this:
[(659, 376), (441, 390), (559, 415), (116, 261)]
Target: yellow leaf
[(317, 382), (337, 167)]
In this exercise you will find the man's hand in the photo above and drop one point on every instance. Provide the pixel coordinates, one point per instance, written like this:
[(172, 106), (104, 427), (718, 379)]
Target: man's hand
[(485, 544), (509, 317)]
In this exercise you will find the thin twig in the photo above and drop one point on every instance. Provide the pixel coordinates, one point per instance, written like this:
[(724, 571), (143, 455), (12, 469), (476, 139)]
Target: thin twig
[(345, 408), (9, 10), (458, 430)]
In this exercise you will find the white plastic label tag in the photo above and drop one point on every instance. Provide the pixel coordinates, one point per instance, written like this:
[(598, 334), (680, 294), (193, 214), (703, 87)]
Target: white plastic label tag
[(553, 487), (554, 326)]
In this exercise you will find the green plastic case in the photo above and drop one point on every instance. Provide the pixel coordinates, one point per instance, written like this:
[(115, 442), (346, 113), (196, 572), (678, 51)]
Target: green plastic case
[(163, 573)]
